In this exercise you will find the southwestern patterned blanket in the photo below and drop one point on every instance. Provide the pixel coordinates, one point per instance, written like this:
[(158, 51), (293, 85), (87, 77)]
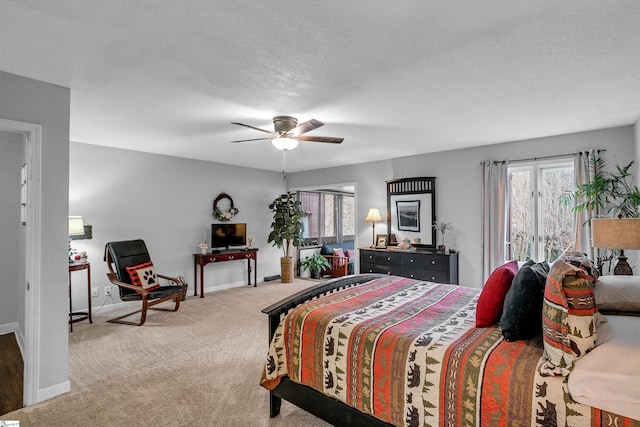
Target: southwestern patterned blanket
[(408, 353)]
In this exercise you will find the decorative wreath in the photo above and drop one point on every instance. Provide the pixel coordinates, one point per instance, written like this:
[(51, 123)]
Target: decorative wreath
[(221, 215)]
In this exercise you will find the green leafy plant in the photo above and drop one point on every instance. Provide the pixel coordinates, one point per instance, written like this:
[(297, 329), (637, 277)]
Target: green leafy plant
[(287, 226), (315, 262), (607, 193)]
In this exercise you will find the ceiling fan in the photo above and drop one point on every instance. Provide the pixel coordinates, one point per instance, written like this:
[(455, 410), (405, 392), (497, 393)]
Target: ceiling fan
[(288, 133)]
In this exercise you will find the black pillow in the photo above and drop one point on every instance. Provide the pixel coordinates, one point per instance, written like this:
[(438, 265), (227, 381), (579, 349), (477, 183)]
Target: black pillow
[(522, 313)]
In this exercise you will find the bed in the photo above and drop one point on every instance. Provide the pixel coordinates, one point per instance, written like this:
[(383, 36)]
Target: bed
[(375, 350)]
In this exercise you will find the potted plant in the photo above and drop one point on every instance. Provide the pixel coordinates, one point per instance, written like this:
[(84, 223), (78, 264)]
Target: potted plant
[(608, 193), (286, 231), (315, 264), (443, 227)]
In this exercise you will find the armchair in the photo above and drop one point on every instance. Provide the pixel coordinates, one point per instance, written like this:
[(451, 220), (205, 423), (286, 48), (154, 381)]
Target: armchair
[(124, 260), (340, 265)]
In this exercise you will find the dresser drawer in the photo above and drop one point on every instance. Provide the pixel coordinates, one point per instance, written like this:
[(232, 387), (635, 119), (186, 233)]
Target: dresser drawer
[(425, 261), (438, 276), (381, 258), (366, 267)]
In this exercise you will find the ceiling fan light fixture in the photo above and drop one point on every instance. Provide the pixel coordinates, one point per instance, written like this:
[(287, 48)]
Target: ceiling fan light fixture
[(284, 143)]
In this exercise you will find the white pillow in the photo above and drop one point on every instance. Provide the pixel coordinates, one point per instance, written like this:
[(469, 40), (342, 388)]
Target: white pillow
[(618, 293), (608, 377)]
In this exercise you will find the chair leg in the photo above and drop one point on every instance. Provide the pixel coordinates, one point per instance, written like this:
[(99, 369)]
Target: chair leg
[(143, 315), (146, 305)]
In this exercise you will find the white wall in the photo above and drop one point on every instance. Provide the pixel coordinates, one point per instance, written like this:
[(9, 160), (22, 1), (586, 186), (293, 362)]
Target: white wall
[(459, 183), (167, 202), (41, 103), (12, 157)]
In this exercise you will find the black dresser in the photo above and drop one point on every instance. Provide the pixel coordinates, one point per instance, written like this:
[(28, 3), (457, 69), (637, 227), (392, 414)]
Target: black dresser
[(427, 265)]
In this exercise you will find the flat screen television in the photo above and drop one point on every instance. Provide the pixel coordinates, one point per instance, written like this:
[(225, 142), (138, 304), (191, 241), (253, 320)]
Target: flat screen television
[(226, 235)]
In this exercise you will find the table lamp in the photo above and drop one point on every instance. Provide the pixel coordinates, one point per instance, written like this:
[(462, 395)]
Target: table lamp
[(373, 216), (76, 226), (617, 233)]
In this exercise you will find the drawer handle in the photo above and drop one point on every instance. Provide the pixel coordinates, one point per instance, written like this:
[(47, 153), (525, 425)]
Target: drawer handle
[(412, 276), (411, 261), (388, 258), (433, 278), (433, 261)]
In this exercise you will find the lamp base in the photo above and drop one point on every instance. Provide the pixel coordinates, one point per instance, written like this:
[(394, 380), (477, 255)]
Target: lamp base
[(622, 267)]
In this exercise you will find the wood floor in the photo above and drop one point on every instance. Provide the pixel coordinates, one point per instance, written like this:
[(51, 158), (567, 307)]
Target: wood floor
[(11, 374)]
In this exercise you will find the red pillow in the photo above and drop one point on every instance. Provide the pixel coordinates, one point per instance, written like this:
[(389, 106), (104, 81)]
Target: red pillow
[(350, 253), (489, 308), (338, 252), (144, 275)]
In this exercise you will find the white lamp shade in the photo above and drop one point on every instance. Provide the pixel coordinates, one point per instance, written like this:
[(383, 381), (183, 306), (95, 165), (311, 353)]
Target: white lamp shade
[(284, 143), (76, 226), (373, 215)]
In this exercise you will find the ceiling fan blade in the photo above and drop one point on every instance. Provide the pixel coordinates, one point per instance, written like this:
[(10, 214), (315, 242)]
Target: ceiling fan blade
[(320, 139), (252, 127), (254, 139), (305, 127)]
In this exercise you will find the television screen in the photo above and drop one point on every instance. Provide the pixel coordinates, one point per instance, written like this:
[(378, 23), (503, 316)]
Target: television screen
[(226, 235)]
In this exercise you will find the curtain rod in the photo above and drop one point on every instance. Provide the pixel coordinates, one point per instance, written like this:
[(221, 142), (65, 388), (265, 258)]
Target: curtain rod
[(533, 159)]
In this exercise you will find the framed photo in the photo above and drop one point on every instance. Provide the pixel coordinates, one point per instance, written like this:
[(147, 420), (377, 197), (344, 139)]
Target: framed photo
[(381, 241), (408, 214)]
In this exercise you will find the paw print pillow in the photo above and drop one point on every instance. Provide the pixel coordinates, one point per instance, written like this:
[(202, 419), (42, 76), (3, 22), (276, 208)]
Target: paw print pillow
[(144, 275)]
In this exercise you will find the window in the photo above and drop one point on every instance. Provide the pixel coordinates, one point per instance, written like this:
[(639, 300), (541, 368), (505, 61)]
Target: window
[(541, 226), (330, 216)]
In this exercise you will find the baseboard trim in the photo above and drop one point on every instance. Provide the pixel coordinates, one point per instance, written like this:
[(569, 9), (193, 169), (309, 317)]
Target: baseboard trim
[(53, 391), (106, 308), (9, 328)]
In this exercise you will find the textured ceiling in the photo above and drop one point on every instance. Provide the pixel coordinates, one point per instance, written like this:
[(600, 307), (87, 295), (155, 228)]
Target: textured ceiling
[(392, 78)]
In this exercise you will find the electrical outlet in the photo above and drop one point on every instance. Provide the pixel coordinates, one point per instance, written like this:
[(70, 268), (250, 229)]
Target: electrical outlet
[(94, 292), (107, 291)]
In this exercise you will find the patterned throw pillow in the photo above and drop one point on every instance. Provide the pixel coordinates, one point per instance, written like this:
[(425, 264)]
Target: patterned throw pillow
[(338, 252), (350, 253), (569, 315), (144, 275), (491, 301)]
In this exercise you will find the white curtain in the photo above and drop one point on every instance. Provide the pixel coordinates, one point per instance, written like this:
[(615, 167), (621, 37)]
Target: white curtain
[(495, 216), (584, 173)]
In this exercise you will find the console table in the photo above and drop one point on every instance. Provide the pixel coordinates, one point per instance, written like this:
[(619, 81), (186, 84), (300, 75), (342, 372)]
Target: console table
[(228, 255), (434, 266), (84, 314)]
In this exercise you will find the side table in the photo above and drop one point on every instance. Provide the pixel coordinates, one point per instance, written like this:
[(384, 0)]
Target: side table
[(84, 315), (222, 256)]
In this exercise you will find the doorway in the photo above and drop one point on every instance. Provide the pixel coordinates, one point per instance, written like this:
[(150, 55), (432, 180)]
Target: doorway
[(12, 234), (23, 146)]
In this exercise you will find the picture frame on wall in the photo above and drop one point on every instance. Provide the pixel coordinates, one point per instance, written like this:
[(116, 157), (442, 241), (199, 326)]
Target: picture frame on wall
[(381, 241), (408, 214)]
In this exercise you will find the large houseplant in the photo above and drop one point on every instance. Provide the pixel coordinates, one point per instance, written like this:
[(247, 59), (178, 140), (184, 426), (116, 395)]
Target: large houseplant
[(286, 230), (608, 194)]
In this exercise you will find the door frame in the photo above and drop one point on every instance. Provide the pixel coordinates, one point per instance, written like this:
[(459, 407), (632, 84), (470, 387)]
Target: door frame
[(33, 275)]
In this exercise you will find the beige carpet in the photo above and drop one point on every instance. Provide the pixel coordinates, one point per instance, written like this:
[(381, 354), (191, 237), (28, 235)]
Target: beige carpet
[(199, 366)]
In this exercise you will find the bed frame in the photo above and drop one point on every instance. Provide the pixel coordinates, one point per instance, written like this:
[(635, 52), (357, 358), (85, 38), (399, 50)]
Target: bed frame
[(327, 408)]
